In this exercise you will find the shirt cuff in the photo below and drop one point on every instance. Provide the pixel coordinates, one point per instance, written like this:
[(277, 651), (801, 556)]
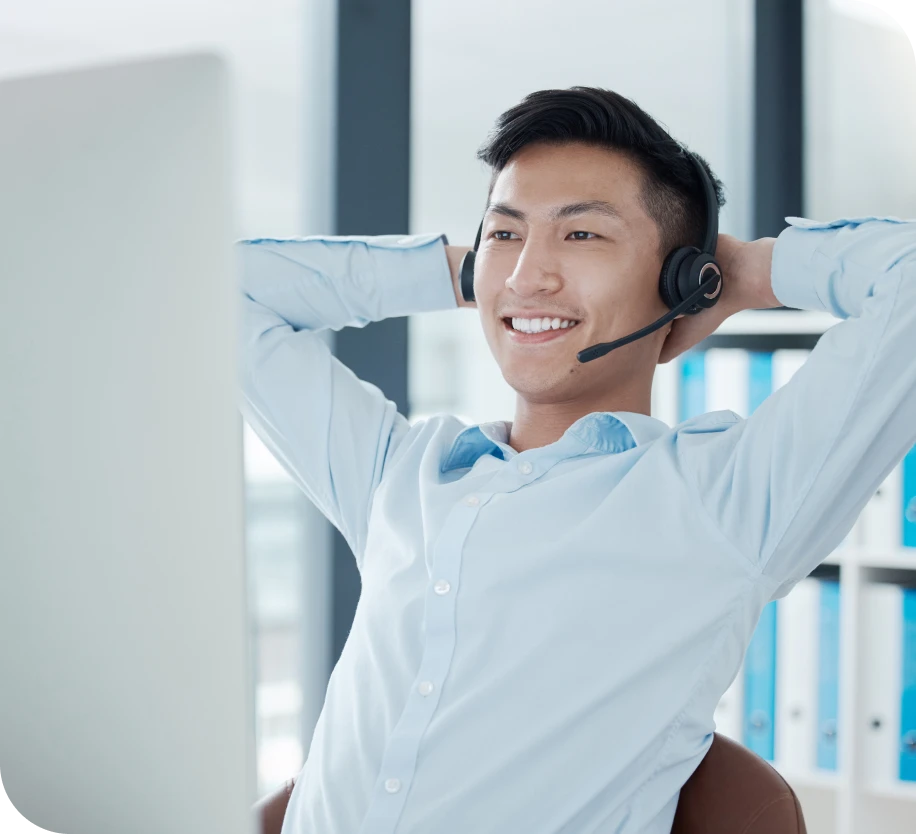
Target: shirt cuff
[(833, 266), (792, 277), (414, 272)]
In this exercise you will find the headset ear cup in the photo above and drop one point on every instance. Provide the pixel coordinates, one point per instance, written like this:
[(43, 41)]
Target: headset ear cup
[(669, 286), (703, 267), (466, 275)]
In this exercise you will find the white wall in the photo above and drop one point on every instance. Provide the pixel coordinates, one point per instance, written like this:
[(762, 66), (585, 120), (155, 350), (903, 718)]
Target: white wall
[(262, 40), (861, 113), (687, 64)]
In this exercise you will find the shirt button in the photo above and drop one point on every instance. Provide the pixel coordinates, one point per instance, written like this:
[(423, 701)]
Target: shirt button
[(441, 587), (425, 688), (472, 500), (393, 785), (525, 468)]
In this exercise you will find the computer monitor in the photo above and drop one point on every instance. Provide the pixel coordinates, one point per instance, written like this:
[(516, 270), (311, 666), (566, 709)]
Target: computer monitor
[(126, 687)]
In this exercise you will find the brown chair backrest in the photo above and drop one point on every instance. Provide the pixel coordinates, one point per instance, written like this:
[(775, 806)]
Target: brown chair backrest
[(734, 791)]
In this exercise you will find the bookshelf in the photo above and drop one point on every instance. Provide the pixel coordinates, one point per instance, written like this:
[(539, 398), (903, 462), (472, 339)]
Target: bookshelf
[(778, 322), (849, 799)]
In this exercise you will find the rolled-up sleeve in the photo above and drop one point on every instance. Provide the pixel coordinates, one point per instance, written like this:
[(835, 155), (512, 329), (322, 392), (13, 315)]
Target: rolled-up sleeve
[(333, 432), (787, 484)]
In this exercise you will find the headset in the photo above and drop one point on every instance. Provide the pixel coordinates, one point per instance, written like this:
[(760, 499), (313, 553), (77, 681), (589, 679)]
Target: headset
[(690, 280)]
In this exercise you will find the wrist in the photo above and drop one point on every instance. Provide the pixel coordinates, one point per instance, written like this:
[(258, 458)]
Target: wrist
[(747, 272)]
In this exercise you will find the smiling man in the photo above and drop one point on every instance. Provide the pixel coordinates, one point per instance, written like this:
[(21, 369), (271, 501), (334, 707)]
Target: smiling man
[(553, 605)]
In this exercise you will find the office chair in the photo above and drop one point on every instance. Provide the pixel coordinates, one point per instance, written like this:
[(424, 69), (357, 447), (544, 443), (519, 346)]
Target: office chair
[(733, 791)]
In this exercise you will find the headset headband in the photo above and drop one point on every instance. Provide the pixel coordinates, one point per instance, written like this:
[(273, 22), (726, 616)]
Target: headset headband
[(712, 206)]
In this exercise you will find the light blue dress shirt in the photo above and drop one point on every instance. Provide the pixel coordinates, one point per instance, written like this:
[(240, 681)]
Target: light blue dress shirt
[(542, 637)]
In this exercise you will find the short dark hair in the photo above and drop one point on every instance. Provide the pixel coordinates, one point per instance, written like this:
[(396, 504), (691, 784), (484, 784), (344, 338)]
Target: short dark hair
[(672, 193)]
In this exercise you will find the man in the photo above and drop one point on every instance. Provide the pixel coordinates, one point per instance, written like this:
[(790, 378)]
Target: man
[(552, 606)]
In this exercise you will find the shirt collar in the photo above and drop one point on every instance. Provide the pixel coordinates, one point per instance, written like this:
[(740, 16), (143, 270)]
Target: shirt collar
[(601, 431)]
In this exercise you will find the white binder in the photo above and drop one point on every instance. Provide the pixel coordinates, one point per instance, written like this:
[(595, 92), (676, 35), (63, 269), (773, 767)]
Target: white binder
[(882, 629), (796, 677), (785, 363), (881, 519), (727, 380), (729, 713)]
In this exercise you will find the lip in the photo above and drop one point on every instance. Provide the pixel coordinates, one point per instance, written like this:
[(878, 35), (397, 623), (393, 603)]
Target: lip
[(536, 338)]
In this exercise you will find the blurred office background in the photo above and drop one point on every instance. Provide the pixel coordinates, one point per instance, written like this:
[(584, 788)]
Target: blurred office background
[(364, 118)]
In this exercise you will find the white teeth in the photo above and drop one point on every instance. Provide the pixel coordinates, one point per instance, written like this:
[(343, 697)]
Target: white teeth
[(539, 325)]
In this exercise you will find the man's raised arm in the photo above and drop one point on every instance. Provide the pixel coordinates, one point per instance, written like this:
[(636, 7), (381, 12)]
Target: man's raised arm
[(786, 485), (333, 432)]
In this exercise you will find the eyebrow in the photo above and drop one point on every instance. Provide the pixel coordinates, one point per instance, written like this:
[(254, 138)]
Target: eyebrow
[(561, 212)]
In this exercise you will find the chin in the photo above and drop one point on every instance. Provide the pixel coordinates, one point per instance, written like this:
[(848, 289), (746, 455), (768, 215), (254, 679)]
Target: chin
[(532, 382)]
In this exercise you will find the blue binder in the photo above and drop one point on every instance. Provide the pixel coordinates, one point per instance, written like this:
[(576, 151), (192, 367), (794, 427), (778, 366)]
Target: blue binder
[(828, 678), (760, 659), (908, 700), (909, 499), (760, 686), (760, 381), (693, 385)]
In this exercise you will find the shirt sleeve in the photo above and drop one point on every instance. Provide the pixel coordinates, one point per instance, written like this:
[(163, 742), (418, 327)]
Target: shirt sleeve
[(333, 432), (787, 484)]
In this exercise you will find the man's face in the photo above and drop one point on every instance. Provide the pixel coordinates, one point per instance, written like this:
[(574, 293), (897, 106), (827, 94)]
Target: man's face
[(598, 269)]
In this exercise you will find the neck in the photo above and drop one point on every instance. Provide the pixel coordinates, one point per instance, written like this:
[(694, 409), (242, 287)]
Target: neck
[(539, 424)]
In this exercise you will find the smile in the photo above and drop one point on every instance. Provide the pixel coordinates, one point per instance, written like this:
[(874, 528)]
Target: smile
[(536, 338)]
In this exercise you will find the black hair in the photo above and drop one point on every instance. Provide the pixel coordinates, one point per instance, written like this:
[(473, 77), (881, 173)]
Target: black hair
[(672, 193)]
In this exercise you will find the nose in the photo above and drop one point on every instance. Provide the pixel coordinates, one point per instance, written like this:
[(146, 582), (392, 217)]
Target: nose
[(536, 270)]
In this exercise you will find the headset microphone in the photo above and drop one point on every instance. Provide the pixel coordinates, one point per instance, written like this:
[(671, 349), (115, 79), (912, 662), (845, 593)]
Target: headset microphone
[(690, 280)]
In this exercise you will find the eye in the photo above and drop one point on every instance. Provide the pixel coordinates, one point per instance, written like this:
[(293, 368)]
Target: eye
[(583, 233), (501, 233)]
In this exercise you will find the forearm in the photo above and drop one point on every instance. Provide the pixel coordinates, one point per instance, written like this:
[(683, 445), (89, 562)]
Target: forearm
[(824, 266), (846, 267), (747, 267), (326, 282), (270, 810)]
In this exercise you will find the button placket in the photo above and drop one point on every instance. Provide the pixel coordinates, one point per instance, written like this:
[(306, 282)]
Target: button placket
[(400, 752)]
